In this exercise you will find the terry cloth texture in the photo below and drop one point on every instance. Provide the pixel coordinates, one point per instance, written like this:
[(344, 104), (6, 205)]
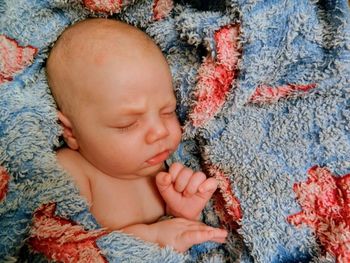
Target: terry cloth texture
[(264, 96)]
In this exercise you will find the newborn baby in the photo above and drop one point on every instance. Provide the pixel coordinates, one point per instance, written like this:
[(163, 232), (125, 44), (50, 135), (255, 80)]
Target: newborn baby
[(116, 104)]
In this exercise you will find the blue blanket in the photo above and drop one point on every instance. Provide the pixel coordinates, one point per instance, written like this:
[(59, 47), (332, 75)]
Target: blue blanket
[(263, 91)]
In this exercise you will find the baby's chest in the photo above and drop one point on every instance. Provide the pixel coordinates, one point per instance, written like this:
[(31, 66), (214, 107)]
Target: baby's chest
[(116, 206)]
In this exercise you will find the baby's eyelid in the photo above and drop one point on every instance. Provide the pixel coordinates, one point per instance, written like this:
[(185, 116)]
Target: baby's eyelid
[(169, 111), (169, 114), (126, 126)]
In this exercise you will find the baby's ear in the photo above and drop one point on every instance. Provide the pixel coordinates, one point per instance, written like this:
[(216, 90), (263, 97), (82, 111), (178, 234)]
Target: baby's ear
[(68, 134)]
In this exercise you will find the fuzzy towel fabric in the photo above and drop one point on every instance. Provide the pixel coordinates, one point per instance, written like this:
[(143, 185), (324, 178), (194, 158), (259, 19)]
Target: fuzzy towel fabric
[(263, 91)]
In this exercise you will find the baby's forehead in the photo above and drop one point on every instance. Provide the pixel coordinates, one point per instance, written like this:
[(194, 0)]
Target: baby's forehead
[(91, 45), (96, 34), (93, 38)]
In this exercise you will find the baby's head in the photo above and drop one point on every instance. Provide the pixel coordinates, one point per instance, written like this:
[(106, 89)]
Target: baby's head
[(86, 50), (113, 88)]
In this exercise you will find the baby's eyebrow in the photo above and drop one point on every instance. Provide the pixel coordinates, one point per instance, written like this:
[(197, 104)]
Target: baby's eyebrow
[(132, 111), (169, 101)]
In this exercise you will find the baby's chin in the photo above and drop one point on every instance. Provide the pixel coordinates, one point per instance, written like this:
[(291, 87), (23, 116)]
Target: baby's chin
[(151, 170), (145, 171)]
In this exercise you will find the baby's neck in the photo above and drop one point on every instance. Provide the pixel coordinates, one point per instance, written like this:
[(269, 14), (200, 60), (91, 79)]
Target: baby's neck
[(119, 202), (137, 177)]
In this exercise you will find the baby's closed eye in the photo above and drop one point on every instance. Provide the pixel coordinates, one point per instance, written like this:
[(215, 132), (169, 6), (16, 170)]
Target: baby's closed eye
[(169, 111), (125, 126)]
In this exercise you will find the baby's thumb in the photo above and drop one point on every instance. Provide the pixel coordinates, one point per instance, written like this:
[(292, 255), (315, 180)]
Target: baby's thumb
[(163, 181)]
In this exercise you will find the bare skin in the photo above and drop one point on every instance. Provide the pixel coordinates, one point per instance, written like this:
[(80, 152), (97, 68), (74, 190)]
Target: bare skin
[(119, 123)]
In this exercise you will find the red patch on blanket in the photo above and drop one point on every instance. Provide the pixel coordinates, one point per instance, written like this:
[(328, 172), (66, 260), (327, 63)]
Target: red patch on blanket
[(13, 58), (62, 240), (161, 8), (267, 94), (325, 202), (227, 205), (104, 6), (216, 77), (4, 181)]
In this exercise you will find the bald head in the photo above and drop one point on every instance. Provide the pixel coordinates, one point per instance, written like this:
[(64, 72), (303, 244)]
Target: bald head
[(84, 48)]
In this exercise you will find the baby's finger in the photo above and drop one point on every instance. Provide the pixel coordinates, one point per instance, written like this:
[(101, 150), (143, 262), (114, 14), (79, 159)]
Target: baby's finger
[(201, 231), (174, 170), (182, 179), (219, 240), (198, 225), (219, 234), (163, 181), (193, 237), (208, 186), (195, 181)]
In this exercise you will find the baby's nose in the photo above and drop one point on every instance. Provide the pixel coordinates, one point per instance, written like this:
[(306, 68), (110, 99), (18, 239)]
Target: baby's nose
[(157, 131)]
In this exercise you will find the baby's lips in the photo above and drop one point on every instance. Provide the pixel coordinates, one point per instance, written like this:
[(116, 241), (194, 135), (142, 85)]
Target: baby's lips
[(159, 158)]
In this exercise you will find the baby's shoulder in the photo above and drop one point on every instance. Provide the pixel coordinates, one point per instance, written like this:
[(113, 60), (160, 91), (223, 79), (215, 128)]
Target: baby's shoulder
[(75, 165), (71, 160)]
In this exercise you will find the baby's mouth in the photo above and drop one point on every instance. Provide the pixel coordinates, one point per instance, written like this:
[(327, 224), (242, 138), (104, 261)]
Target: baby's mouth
[(159, 158)]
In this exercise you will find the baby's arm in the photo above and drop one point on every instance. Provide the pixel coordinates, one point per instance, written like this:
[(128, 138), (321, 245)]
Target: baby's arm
[(177, 233), (184, 191)]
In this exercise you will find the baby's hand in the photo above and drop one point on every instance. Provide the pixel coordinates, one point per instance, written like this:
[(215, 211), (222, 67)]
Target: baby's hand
[(184, 191), (181, 234)]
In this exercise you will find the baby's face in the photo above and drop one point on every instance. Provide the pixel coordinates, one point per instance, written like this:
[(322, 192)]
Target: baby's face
[(127, 126)]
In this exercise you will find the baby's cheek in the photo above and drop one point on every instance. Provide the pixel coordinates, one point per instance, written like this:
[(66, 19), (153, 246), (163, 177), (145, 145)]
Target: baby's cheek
[(178, 134)]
